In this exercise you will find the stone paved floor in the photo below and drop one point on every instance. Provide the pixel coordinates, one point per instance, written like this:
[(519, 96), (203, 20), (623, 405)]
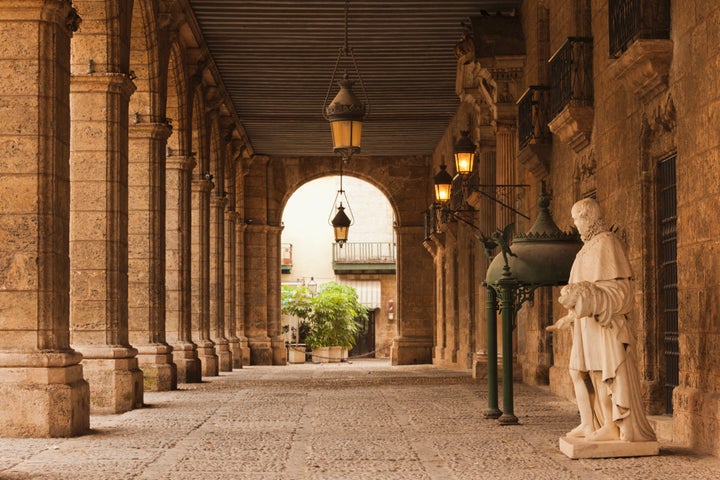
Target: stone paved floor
[(360, 420)]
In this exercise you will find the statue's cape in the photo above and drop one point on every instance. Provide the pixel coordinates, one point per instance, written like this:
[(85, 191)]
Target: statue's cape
[(601, 258)]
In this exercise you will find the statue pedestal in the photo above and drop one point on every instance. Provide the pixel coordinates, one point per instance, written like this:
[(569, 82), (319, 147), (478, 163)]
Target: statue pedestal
[(581, 448)]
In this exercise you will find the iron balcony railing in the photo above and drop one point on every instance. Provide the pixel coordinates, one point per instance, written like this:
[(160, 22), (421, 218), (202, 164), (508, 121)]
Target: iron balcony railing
[(533, 111), (630, 20), (364, 253), (571, 75)]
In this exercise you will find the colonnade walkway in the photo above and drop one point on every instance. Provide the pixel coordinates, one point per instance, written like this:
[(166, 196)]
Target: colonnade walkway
[(361, 420)]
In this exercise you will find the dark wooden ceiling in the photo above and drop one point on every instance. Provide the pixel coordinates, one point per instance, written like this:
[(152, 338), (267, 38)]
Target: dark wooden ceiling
[(276, 59)]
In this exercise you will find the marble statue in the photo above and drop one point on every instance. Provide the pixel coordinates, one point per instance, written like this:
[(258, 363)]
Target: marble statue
[(602, 365)]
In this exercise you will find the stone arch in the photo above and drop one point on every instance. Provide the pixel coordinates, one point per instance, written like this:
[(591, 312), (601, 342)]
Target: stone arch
[(408, 193), (178, 102), (363, 177), (198, 128), (106, 23), (407, 184), (216, 152), (147, 103)]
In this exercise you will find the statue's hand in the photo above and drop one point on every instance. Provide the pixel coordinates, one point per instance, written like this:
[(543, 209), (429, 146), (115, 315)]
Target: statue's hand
[(565, 322), (568, 296)]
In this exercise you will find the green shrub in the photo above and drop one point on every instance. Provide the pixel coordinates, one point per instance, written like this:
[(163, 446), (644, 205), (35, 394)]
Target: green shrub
[(332, 315)]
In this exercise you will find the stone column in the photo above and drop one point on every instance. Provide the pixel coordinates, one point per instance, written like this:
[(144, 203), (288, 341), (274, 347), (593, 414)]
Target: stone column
[(99, 237), (256, 261), (415, 285), (217, 282), (240, 312), (435, 245), (231, 219), (452, 325), (256, 292), (41, 378), (505, 168), (273, 296), (178, 274), (146, 254), (200, 268)]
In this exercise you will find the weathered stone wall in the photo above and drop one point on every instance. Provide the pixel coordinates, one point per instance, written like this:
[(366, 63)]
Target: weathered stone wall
[(694, 85)]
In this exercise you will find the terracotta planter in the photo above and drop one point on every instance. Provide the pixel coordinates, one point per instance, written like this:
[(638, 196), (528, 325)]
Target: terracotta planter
[(335, 354), (296, 353), (321, 355)]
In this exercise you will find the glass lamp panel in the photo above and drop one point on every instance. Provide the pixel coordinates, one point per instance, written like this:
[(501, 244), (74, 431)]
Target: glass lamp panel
[(442, 192), (464, 162)]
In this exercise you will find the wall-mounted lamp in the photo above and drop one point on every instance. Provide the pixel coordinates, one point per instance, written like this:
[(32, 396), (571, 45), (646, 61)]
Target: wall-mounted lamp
[(443, 183), (464, 152)]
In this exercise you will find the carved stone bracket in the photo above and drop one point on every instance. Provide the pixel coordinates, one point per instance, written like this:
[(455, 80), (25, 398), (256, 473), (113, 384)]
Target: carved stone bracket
[(644, 67), (573, 125), (536, 159)]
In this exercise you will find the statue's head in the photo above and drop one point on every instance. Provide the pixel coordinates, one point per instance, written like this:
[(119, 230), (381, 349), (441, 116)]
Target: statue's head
[(587, 216)]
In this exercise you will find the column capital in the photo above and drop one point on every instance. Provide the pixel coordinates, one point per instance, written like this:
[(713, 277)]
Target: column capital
[(119, 83), (58, 11), (155, 130), (218, 201), (180, 161), (202, 184)]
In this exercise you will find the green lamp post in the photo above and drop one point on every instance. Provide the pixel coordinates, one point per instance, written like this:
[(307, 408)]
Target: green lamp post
[(541, 257)]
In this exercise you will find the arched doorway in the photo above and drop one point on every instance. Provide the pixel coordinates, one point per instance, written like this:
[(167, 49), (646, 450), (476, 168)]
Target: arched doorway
[(367, 262)]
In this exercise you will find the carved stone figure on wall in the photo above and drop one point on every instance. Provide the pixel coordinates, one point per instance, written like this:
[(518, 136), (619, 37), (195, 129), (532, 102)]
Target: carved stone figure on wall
[(602, 364)]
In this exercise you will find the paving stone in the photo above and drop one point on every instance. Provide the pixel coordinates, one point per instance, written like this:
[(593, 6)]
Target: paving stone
[(361, 420)]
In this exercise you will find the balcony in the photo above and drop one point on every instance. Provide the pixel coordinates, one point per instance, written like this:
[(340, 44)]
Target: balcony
[(571, 94), (535, 139), (364, 257), (633, 20), (639, 33), (286, 259)]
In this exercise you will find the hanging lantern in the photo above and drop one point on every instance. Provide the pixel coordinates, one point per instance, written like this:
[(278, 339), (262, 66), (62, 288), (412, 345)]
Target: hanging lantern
[(464, 151), (346, 111), (345, 114), (341, 225), (443, 181)]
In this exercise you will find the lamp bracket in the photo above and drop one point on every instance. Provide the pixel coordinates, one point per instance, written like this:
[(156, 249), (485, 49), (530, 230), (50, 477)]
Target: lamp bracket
[(496, 192)]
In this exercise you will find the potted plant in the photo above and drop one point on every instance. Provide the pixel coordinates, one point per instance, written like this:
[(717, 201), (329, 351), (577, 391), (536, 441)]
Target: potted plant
[(332, 317), (295, 301)]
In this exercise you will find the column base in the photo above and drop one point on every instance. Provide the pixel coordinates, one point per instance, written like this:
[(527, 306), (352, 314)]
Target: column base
[(412, 351), (480, 365), (116, 382), (189, 367), (261, 352), (245, 351), (48, 394), (208, 358), (159, 371), (236, 351), (225, 359), (279, 352)]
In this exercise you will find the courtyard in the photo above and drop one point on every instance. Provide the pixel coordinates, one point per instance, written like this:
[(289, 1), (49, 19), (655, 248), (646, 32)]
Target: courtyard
[(363, 419)]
